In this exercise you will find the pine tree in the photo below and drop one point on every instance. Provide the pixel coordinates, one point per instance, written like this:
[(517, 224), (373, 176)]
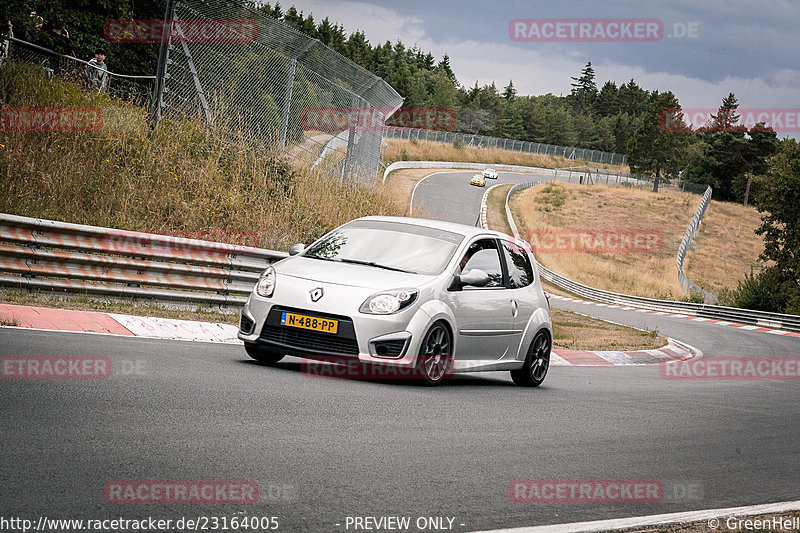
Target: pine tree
[(509, 92), (444, 66), (584, 90), (657, 150)]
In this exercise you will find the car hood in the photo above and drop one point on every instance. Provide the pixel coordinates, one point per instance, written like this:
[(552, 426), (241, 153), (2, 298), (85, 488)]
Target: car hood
[(348, 274)]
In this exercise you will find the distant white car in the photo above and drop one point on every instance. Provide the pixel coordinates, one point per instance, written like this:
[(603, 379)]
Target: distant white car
[(490, 173)]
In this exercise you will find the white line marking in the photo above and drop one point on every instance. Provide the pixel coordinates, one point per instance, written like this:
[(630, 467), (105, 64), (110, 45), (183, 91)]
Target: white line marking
[(652, 520)]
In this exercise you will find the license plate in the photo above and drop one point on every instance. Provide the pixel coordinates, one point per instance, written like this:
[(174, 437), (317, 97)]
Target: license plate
[(325, 325)]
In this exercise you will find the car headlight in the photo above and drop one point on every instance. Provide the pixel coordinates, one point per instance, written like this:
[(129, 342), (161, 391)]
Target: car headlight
[(266, 283), (388, 302)]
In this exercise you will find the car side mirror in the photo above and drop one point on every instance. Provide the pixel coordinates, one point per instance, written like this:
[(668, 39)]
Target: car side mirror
[(296, 248), (474, 278)]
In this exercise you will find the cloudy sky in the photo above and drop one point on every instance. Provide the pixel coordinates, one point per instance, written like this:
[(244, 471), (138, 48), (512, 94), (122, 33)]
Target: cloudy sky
[(740, 46)]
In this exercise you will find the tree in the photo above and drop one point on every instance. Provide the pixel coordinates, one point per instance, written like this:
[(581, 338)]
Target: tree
[(632, 99), (763, 144), (584, 90), (607, 102), (444, 66), (726, 118), (729, 155), (509, 92), (655, 148), (779, 200)]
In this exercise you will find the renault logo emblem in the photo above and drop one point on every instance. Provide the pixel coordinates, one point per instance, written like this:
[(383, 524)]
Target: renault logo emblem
[(316, 294)]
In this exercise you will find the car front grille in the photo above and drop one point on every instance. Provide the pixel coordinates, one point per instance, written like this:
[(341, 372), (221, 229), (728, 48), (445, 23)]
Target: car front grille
[(308, 342)]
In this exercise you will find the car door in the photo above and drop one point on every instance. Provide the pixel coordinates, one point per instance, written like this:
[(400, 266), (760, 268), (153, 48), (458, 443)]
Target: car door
[(519, 285), (484, 315)]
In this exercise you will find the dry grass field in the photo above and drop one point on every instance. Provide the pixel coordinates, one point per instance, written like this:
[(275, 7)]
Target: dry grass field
[(186, 178), (724, 249)]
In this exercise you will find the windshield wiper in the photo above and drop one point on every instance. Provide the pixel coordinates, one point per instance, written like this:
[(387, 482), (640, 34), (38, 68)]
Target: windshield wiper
[(323, 258), (376, 265)]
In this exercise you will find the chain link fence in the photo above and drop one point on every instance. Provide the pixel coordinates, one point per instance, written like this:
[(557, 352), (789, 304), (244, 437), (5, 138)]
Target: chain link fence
[(604, 176), (469, 139), (135, 89), (261, 77)]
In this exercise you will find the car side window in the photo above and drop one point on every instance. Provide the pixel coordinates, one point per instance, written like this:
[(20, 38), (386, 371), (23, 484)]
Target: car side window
[(484, 255), (520, 272)]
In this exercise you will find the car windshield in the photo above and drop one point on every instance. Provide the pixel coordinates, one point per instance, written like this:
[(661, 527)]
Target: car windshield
[(388, 245)]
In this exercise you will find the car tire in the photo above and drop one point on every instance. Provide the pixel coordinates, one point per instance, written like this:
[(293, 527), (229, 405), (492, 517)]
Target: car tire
[(537, 362), (261, 355), (435, 360)]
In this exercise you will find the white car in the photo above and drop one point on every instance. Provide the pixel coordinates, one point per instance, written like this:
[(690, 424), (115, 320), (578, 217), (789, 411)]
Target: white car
[(490, 173), (432, 297)]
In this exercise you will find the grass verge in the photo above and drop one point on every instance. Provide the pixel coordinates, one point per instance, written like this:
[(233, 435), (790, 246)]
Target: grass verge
[(579, 332)]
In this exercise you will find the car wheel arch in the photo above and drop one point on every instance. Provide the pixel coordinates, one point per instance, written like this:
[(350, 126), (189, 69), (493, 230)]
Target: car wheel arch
[(539, 320)]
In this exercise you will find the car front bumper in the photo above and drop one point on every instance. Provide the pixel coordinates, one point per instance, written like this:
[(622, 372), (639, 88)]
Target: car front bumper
[(391, 339)]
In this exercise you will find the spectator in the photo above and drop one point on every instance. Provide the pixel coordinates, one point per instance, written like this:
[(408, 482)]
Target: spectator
[(33, 28), (97, 71), (60, 38), (6, 31), (57, 40)]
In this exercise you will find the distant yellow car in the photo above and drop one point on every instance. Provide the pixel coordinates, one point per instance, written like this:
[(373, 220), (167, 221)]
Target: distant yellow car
[(478, 180)]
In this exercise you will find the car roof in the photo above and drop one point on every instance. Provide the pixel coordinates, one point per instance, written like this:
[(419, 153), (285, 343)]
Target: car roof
[(461, 229)]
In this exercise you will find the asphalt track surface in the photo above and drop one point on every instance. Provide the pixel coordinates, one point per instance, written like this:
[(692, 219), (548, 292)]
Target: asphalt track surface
[(325, 449)]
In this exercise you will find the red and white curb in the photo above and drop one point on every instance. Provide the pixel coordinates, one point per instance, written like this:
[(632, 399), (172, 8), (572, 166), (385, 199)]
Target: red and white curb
[(484, 208), (680, 315), (48, 319), (673, 351)]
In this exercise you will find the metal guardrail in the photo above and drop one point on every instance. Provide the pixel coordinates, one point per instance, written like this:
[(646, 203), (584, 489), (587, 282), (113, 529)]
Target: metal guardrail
[(686, 284), (45, 254), (471, 139), (717, 312)]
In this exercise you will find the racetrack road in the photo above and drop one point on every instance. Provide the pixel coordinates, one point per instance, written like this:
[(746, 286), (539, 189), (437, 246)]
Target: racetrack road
[(202, 411), (323, 449)]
